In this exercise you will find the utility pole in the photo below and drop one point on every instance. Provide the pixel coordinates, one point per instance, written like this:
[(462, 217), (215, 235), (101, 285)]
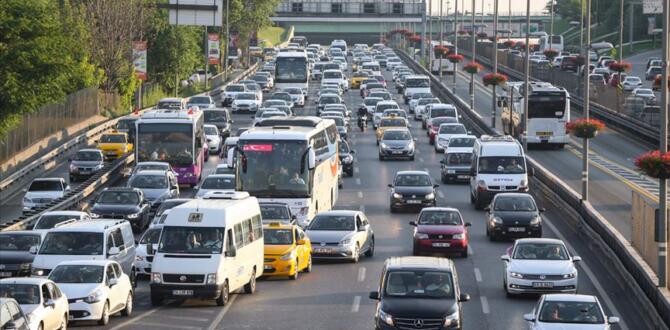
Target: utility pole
[(551, 26), (587, 105), (473, 37), (620, 33), (663, 184), (509, 19), (455, 65), (423, 32), (631, 6), (494, 104), (441, 34), (206, 56), (225, 61), (525, 78), (430, 35)]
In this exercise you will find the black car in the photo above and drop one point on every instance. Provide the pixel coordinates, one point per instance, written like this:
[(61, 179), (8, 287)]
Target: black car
[(85, 163), (123, 203), (346, 158), (513, 215), (419, 293), (15, 247), (219, 117), (412, 189)]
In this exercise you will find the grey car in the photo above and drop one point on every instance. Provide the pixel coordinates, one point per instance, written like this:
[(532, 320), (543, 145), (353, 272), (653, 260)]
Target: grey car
[(341, 235), (156, 185), (396, 143), (85, 163)]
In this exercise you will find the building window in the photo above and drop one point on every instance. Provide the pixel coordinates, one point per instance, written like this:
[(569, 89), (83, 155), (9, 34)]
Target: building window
[(336, 8), (369, 8), (296, 7), (398, 8)]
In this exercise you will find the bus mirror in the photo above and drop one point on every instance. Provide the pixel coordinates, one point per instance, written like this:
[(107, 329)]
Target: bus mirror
[(229, 158), (311, 159)]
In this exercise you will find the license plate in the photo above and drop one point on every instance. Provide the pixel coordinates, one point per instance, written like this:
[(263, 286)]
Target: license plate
[(322, 250), (463, 176), (413, 202), (5, 274), (544, 133), (441, 244), (397, 152), (516, 229), (267, 267), (543, 284), (182, 292), (111, 152)]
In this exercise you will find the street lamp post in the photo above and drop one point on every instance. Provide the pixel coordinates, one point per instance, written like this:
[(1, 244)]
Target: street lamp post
[(620, 32), (455, 41), (663, 184), (585, 147), (473, 36), (551, 26), (525, 80), (495, 60), (441, 35)]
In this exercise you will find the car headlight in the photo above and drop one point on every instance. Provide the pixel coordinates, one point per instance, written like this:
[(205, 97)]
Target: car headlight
[(535, 221), (211, 278), (430, 196), (452, 320), (133, 216), (421, 236), (345, 242), (397, 196), (73, 168), (94, 296), (516, 275), (139, 258), (37, 272), (156, 278), (386, 318), (27, 200), (289, 256), (570, 275), (460, 236), (383, 145), (94, 215), (348, 159), (496, 220)]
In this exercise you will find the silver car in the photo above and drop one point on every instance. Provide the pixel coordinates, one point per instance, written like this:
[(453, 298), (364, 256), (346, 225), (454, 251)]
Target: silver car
[(341, 235), (156, 185)]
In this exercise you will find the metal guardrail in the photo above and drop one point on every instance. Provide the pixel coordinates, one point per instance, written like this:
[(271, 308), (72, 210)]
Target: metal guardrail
[(632, 265)]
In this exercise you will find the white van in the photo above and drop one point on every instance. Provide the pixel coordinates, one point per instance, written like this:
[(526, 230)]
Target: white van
[(498, 165), (373, 67), (415, 84), (208, 248)]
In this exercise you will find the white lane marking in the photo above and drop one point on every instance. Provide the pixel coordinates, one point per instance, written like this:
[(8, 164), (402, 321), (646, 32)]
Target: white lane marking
[(223, 312), (356, 304), (358, 181), (485, 305), (188, 318), (440, 194), (361, 274), (171, 326), (360, 194), (471, 251), (589, 273), (135, 319), (356, 169), (421, 159), (478, 275), (362, 208)]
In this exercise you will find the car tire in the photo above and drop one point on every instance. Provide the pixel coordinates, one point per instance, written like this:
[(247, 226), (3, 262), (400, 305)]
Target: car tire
[(297, 270), (357, 254), (63, 324), (308, 269), (128, 308), (371, 249), (381, 158), (222, 300), (492, 237), (393, 209), (250, 287), (350, 172), (431, 142), (104, 319)]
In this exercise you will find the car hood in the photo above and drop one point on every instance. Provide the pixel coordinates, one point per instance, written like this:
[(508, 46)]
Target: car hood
[(420, 190), (84, 163), (113, 208), (330, 236), (567, 326), (541, 267), (277, 249), (440, 229), (421, 308), (29, 308), (44, 194), (16, 257), (78, 290), (516, 217), (396, 143)]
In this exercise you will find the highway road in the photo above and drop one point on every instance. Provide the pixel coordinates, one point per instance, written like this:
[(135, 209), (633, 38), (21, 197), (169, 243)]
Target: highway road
[(335, 295)]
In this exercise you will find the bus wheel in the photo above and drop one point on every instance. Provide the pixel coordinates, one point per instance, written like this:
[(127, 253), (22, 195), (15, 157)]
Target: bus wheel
[(251, 286)]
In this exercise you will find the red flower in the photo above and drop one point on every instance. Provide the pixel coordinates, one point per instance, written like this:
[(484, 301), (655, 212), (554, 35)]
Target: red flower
[(463, 32), (455, 58), (657, 82), (494, 79), (585, 128), (441, 50), (620, 66), (550, 53), (654, 164), (482, 35), (415, 38), (509, 43), (473, 67)]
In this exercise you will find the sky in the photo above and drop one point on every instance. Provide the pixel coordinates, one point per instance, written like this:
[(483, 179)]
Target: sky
[(518, 6)]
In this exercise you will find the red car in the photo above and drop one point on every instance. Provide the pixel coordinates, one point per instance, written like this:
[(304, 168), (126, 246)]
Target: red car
[(434, 124), (440, 230)]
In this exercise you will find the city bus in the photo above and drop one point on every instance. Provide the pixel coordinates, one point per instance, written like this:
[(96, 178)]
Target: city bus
[(290, 160), (556, 43), (176, 137), (291, 70), (438, 64)]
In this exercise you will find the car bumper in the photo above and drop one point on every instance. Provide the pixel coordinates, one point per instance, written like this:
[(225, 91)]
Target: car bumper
[(211, 291), (82, 311), (515, 231), (397, 203), (456, 174), (183, 179), (516, 285), (332, 252), (280, 267), (439, 245), (549, 139), (390, 153)]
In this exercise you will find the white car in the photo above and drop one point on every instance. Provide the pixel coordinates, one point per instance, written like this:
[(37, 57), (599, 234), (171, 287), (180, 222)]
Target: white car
[(96, 289), (646, 94), (53, 219), (420, 107), (337, 77), (246, 101), (214, 140), (43, 191), (414, 101), (297, 97), (539, 265), (569, 311), (216, 182), (631, 82), (445, 132), (230, 92), (150, 236), (203, 102), (40, 300), (269, 114)]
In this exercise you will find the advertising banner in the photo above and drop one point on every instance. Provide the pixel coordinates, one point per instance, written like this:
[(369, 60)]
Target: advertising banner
[(213, 48), (140, 59)]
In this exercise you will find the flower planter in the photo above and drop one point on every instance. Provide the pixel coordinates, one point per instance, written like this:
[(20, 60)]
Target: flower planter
[(654, 164), (585, 129), (494, 79), (472, 68), (509, 43), (455, 58), (620, 66)]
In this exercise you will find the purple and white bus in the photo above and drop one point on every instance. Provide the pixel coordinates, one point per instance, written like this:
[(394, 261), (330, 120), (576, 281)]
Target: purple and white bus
[(176, 137)]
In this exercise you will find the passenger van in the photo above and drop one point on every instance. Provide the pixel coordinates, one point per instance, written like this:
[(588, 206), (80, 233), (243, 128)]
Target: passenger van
[(97, 239), (415, 84), (208, 248), (498, 165), (374, 67)]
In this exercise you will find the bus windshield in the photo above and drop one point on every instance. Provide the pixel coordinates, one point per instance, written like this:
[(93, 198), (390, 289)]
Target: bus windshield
[(167, 142), (546, 106), (291, 69), (268, 169)]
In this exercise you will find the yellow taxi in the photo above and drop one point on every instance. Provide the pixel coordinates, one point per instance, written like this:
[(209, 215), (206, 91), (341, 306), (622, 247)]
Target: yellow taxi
[(115, 144), (288, 250), (390, 122), (357, 78)]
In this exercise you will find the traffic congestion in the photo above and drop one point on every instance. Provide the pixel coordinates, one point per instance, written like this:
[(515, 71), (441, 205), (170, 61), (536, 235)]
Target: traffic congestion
[(330, 190)]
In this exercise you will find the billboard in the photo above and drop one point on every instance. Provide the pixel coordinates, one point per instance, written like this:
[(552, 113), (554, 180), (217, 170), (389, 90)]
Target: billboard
[(140, 59), (652, 6), (195, 12), (213, 48)]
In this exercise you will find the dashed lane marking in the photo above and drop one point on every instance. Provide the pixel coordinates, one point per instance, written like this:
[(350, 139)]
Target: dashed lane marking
[(485, 305), (361, 274), (356, 305), (478, 275)]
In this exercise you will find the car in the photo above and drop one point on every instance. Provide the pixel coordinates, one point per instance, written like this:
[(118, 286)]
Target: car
[(396, 113), (539, 265), (53, 219), (346, 155), (166, 206), (656, 60), (569, 311), (446, 131), (435, 110), (156, 186), (287, 250), (327, 99), (96, 289), (646, 94), (203, 102), (370, 86), (214, 140), (268, 113), (282, 96), (221, 118), (122, 203), (246, 101), (396, 143), (357, 78), (369, 103), (114, 144), (263, 81), (86, 163), (297, 97), (413, 189), (43, 191), (126, 124), (199, 77), (224, 169), (341, 107), (155, 166), (142, 258), (513, 215), (340, 123), (440, 230), (652, 72), (40, 299), (216, 182), (631, 82), (597, 79), (272, 103), (380, 107), (276, 212), (418, 293), (389, 123), (341, 234), (457, 158), (230, 92), (335, 76), (434, 125), (15, 249), (605, 72), (15, 318), (413, 102), (420, 106)]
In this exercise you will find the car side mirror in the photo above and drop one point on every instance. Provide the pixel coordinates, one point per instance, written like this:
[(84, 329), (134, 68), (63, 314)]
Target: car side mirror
[(150, 249), (529, 317), (9, 326), (613, 320), (464, 297), (231, 253), (576, 259), (542, 210), (33, 250), (413, 223), (113, 251), (504, 257), (374, 295), (487, 209), (468, 224), (113, 282), (390, 185)]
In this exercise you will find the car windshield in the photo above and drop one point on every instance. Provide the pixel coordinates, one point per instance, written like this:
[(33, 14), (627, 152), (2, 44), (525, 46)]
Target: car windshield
[(18, 241), (149, 182), (77, 274), (72, 243), (274, 212), (333, 222), (295, 91), (502, 165), (381, 95), (371, 101), (113, 138), (332, 75), (645, 92), (88, 156), (440, 218), (413, 180), (461, 142), (272, 103), (392, 122), (119, 197), (427, 101), (278, 236), (540, 251), (260, 78), (419, 284), (417, 82), (442, 112), (195, 240), (209, 130), (169, 204), (235, 88), (369, 86), (200, 100), (24, 294), (514, 203), (49, 221), (396, 136), (149, 167), (329, 99), (46, 185), (581, 312), (219, 182), (151, 236), (452, 129), (268, 114)]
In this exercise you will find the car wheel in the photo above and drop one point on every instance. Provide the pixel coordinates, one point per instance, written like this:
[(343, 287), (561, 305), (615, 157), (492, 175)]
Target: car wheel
[(357, 254), (393, 209), (507, 293), (63, 323), (297, 270), (371, 249), (308, 269), (128, 310), (411, 158), (222, 300), (104, 319), (381, 158), (40, 327), (444, 179), (492, 237), (350, 172)]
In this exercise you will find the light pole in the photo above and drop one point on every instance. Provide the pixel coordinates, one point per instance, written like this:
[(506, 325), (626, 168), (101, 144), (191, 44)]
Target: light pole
[(495, 60), (525, 78), (663, 184), (423, 32), (225, 58), (430, 34), (473, 36), (585, 147), (620, 32), (441, 34), (551, 26), (509, 19), (455, 41)]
